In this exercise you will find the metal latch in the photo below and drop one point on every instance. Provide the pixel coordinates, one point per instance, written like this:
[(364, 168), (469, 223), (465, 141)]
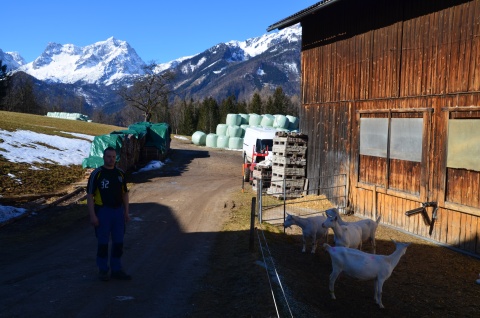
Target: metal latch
[(423, 211)]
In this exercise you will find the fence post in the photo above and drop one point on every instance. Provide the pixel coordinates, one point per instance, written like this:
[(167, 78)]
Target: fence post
[(243, 173), (284, 200), (252, 222), (259, 196)]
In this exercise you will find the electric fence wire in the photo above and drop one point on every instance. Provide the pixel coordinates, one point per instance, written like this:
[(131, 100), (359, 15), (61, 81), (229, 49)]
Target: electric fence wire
[(276, 273)]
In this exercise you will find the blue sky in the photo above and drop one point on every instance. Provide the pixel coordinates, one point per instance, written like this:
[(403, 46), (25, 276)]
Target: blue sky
[(158, 30)]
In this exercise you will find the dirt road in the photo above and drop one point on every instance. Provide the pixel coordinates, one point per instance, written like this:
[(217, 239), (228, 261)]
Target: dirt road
[(176, 213)]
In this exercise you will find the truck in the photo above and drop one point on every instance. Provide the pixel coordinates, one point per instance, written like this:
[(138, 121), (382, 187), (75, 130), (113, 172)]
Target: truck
[(257, 147)]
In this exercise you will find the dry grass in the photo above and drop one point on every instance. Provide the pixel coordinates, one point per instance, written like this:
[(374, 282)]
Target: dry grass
[(429, 281), (51, 126), (49, 178)]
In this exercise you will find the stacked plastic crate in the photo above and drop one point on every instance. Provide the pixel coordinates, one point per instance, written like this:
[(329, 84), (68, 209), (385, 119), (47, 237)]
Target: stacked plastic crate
[(263, 172), (289, 164)]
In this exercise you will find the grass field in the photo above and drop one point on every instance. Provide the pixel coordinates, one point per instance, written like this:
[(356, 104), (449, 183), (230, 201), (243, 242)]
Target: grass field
[(47, 178), (51, 126)]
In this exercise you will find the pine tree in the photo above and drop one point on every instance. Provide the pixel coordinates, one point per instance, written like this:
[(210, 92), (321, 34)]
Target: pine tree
[(280, 102), (187, 126), (269, 106), (208, 117), (229, 106), (256, 104), (242, 107)]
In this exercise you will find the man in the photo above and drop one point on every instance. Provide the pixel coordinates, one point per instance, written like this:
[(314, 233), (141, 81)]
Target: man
[(107, 200)]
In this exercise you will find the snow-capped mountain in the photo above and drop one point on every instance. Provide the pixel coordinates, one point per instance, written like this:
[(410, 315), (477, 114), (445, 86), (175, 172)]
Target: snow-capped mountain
[(239, 68), (101, 63), (235, 67), (12, 60)]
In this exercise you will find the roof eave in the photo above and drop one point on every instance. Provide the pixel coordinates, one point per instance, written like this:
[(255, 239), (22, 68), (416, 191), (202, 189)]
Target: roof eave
[(299, 16)]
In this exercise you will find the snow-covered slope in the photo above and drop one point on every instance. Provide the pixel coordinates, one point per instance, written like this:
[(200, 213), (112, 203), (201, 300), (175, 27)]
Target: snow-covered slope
[(12, 60), (256, 46), (241, 67)]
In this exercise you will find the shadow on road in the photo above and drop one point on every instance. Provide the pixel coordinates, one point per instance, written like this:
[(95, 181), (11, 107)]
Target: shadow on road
[(175, 164)]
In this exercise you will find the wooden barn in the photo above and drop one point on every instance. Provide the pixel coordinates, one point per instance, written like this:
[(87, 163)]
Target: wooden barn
[(391, 98)]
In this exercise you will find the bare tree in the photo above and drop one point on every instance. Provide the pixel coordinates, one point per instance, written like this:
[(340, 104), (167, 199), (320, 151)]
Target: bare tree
[(149, 92)]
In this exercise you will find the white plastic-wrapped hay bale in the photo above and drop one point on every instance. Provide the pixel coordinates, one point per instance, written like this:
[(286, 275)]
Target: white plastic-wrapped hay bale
[(281, 121), (199, 138), (234, 131), (222, 141), (211, 140), (245, 119), (222, 129), (235, 143), (292, 122), (254, 119), (267, 120), (234, 119), (244, 127)]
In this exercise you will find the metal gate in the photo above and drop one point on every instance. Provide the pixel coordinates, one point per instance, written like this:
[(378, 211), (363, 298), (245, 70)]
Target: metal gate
[(317, 195)]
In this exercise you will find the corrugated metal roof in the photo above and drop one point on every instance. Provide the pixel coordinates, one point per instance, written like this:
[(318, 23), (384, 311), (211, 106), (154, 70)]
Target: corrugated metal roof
[(297, 17)]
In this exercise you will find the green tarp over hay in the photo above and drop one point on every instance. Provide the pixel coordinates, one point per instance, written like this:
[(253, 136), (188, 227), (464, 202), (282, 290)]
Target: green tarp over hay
[(159, 136), (141, 128), (99, 144)]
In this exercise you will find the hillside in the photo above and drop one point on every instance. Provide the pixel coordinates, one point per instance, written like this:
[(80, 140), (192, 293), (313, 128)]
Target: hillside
[(43, 175)]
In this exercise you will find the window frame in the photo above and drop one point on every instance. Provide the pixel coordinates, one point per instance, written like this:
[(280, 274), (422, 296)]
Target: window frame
[(426, 114), (447, 115)]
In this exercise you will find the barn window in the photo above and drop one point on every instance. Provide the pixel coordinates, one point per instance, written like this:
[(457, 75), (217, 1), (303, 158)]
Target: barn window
[(464, 144), (390, 150), (374, 137), (406, 139), (462, 173)]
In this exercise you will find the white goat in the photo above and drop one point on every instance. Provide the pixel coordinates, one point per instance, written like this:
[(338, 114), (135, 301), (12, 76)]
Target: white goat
[(344, 235), (311, 227), (364, 266), (368, 226)]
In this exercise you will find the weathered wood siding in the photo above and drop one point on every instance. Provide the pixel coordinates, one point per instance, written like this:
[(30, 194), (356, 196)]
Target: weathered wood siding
[(395, 59)]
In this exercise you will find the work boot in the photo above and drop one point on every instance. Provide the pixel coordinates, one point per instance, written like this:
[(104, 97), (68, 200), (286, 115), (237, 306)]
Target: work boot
[(121, 275)]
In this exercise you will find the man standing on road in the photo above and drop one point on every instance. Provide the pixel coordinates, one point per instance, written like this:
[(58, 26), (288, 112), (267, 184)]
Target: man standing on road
[(107, 200)]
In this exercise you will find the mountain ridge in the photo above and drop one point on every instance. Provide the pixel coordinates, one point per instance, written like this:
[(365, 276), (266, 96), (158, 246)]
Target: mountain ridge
[(234, 67)]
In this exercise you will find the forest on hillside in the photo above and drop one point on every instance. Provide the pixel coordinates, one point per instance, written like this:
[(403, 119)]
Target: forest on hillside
[(18, 93)]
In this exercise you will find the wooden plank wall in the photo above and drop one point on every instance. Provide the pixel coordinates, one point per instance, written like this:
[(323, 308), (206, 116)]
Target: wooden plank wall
[(330, 143), (419, 55)]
